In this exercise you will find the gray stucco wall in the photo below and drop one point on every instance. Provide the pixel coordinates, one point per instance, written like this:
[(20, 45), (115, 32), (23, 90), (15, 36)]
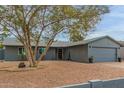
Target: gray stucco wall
[(105, 43), (66, 53), (79, 53), (1, 54), (51, 54), (11, 53)]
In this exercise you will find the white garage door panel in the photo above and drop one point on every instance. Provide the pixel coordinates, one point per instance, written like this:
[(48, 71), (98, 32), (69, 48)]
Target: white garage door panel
[(104, 54)]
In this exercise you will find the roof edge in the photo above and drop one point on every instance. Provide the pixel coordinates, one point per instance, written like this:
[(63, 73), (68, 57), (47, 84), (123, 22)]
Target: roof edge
[(109, 38)]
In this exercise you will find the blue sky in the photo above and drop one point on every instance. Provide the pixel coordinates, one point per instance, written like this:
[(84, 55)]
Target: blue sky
[(112, 24)]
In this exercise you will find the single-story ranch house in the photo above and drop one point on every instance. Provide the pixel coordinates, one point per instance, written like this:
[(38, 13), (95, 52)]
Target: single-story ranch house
[(101, 49)]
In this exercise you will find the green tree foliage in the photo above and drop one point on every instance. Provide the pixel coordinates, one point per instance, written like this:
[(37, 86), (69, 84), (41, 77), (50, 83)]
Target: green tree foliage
[(3, 35), (1, 45), (32, 24), (89, 17)]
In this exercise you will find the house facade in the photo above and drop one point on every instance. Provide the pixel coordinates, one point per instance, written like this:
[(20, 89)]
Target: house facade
[(102, 49), (122, 49)]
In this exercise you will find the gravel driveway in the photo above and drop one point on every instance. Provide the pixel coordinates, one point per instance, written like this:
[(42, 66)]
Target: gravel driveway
[(58, 73)]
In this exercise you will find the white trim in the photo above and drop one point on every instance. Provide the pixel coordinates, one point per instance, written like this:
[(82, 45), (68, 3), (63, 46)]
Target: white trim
[(18, 49)]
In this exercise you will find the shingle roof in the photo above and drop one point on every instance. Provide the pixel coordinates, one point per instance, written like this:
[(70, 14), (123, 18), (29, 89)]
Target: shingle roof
[(85, 41), (121, 42), (15, 42), (94, 39)]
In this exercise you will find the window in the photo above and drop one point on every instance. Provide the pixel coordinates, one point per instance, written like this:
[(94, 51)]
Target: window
[(41, 50), (21, 51)]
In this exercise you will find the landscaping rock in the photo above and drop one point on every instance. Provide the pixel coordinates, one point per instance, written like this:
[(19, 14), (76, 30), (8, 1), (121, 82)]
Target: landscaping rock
[(21, 65)]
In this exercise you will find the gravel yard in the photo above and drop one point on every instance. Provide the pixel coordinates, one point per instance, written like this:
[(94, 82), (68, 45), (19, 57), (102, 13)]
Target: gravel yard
[(57, 73)]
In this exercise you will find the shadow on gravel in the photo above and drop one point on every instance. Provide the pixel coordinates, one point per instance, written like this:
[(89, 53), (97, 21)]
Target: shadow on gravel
[(16, 69)]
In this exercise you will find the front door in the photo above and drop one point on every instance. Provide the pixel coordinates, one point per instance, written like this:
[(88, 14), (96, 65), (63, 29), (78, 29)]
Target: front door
[(60, 53)]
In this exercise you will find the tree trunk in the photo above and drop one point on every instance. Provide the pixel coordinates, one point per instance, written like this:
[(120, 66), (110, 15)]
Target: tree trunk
[(32, 57), (29, 46), (27, 56), (44, 53), (32, 62)]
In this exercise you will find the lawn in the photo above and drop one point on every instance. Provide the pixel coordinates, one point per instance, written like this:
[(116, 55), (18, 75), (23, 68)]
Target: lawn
[(57, 73)]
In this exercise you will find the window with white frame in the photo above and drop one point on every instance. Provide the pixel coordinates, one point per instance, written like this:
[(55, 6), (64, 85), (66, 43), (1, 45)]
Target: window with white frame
[(21, 51)]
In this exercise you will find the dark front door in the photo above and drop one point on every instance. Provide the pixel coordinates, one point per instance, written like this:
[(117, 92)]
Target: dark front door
[(60, 53)]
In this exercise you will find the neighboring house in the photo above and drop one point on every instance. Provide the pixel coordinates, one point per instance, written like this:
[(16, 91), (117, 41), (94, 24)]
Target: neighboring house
[(102, 49), (122, 49)]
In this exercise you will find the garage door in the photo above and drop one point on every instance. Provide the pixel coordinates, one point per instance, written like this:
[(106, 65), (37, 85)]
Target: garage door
[(104, 54)]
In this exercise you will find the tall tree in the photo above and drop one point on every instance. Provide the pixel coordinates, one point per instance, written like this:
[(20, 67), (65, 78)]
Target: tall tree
[(90, 17), (32, 24), (2, 37)]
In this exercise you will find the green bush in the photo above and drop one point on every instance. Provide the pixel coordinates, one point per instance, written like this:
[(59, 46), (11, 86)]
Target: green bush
[(1, 46)]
